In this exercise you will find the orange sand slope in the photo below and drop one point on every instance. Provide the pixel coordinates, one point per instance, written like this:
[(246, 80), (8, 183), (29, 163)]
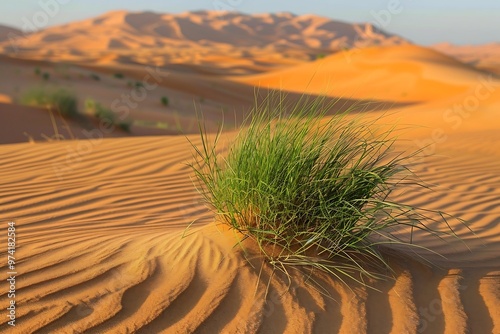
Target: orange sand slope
[(100, 247), (398, 73)]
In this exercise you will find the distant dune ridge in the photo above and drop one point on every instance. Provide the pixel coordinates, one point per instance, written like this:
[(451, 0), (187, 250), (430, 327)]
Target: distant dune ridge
[(486, 56), (122, 29), (8, 32), (402, 73)]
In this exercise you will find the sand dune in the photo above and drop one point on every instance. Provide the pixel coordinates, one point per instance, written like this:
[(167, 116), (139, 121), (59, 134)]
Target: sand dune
[(9, 33), (396, 73), (486, 56), (127, 30), (101, 248), (207, 42), (189, 89), (193, 38)]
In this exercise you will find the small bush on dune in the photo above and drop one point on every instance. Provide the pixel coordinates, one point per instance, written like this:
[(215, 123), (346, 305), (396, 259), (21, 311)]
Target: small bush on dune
[(125, 125), (165, 101), (95, 77), (63, 101), (46, 76), (310, 190), (119, 75), (100, 112)]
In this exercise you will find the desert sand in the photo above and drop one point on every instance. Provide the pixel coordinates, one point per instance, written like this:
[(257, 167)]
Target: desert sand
[(484, 56), (102, 245)]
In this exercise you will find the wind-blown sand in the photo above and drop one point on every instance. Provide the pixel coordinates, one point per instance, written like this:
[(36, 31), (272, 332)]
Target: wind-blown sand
[(101, 249), (101, 224)]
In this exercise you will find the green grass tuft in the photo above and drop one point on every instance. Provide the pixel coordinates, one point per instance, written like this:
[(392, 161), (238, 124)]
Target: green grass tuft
[(63, 101), (95, 77), (96, 109), (164, 101), (309, 189)]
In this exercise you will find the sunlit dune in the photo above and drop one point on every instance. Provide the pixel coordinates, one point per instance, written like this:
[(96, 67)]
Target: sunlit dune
[(397, 73)]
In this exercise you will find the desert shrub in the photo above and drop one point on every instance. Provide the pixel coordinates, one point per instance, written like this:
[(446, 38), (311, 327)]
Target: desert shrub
[(96, 109), (125, 125), (138, 85), (90, 106), (46, 76), (119, 75), (38, 71), (165, 101), (95, 77), (310, 189), (61, 100)]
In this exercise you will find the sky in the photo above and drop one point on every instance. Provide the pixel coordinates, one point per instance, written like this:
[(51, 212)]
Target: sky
[(422, 21)]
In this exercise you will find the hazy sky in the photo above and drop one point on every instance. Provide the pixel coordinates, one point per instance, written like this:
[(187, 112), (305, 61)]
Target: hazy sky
[(422, 21)]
